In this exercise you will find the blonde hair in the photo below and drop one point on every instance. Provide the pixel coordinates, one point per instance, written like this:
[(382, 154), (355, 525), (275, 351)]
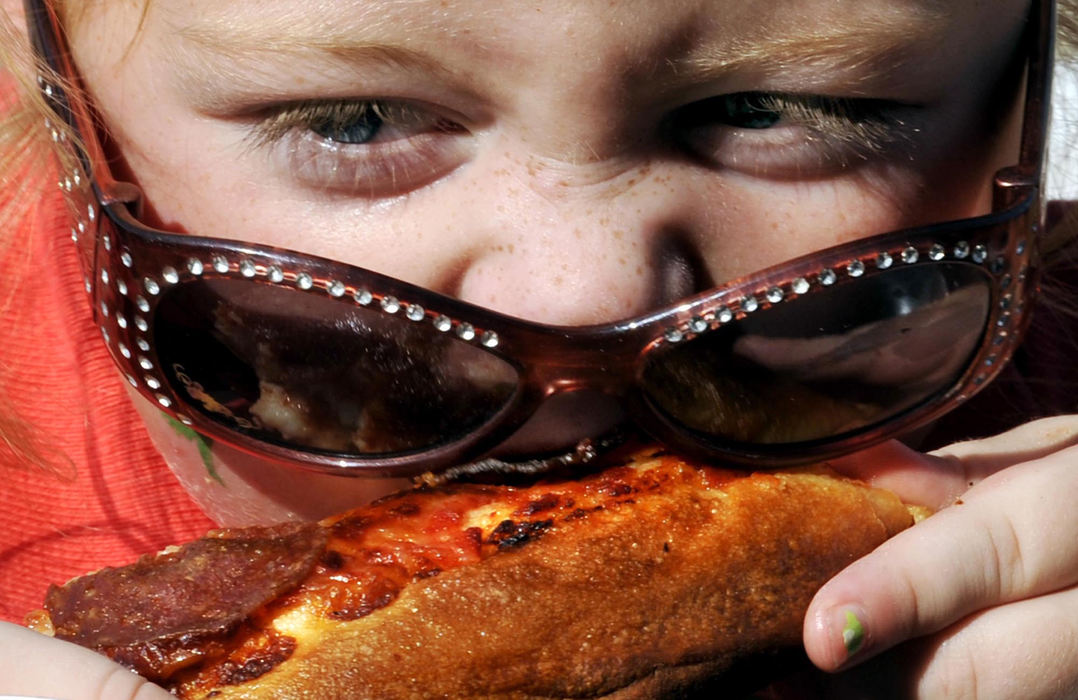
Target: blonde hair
[(25, 147), (26, 144)]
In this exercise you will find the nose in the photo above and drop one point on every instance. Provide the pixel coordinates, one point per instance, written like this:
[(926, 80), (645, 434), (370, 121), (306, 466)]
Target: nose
[(581, 243)]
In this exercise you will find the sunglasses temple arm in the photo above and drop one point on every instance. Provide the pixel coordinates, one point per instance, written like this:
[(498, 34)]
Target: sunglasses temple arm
[(1014, 183)]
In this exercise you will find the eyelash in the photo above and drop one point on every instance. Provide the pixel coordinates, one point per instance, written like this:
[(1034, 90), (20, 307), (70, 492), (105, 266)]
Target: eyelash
[(786, 135), (369, 147), (386, 147), (316, 116)]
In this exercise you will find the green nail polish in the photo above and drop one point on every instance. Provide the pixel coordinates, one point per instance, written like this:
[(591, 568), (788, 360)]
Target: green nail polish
[(853, 634)]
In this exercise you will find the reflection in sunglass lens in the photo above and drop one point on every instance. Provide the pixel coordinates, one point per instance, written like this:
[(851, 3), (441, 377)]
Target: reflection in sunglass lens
[(314, 373), (827, 363)]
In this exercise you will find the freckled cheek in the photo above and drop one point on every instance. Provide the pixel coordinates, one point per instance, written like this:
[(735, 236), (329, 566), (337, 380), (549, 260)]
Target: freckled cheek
[(242, 196)]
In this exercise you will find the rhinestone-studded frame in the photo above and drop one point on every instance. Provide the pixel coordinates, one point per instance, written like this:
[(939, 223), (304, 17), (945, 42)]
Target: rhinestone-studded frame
[(1004, 252), (129, 267), (136, 268), (132, 279), (1001, 251)]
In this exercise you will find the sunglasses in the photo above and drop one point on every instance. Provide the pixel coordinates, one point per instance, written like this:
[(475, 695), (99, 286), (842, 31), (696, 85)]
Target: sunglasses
[(336, 368)]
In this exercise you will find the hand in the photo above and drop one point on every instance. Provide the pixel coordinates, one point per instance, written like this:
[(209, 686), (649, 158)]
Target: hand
[(981, 599), (35, 665)]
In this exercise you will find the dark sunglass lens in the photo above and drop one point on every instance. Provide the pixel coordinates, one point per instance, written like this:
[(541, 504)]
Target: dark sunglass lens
[(833, 361), (316, 373)]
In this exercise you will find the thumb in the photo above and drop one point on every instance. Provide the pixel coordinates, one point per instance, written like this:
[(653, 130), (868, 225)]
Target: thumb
[(1025, 443), (35, 665), (928, 480), (936, 479)]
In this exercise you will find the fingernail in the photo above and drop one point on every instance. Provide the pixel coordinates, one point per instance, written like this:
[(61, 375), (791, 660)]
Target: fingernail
[(853, 633), (838, 634)]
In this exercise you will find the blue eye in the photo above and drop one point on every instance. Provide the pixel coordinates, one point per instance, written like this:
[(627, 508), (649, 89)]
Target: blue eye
[(347, 122), (362, 147), (351, 129)]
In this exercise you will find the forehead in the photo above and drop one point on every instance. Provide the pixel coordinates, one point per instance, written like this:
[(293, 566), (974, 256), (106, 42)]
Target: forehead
[(381, 15), (651, 44), (479, 24)]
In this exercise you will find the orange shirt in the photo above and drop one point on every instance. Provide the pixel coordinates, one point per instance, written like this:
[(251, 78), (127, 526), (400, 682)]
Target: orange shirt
[(119, 499)]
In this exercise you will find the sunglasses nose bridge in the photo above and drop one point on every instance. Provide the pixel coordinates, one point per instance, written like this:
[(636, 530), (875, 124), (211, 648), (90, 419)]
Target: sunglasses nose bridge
[(611, 376), (603, 360)]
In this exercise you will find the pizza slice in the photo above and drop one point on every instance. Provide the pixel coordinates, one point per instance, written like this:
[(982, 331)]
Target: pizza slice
[(644, 579)]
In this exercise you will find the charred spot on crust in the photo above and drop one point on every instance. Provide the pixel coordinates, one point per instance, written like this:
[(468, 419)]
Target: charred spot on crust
[(543, 503), (350, 528), (404, 509), (617, 489), (333, 560), (514, 534), (579, 513)]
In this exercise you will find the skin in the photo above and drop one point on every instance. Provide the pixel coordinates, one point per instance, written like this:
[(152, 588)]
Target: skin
[(573, 179), (981, 597), (560, 169)]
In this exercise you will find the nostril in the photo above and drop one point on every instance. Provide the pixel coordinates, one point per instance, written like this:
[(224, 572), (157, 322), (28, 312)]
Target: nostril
[(451, 273), (680, 270)]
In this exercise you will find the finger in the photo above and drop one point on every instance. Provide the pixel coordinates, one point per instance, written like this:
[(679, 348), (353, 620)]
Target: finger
[(1023, 651), (916, 478), (938, 478), (1009, 538), (35, 665), (1022, 444)]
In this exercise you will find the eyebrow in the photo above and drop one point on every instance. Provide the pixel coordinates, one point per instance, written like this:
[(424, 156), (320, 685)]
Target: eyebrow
[(870, 48), (257, 44), (866, 50), (245, 45), (345, 29)]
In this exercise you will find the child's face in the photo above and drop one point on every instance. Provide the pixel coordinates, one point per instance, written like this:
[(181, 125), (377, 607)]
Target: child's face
[(567, 161)]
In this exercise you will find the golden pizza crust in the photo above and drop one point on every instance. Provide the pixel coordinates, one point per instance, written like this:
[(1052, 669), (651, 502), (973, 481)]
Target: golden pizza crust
[(642, 600)]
